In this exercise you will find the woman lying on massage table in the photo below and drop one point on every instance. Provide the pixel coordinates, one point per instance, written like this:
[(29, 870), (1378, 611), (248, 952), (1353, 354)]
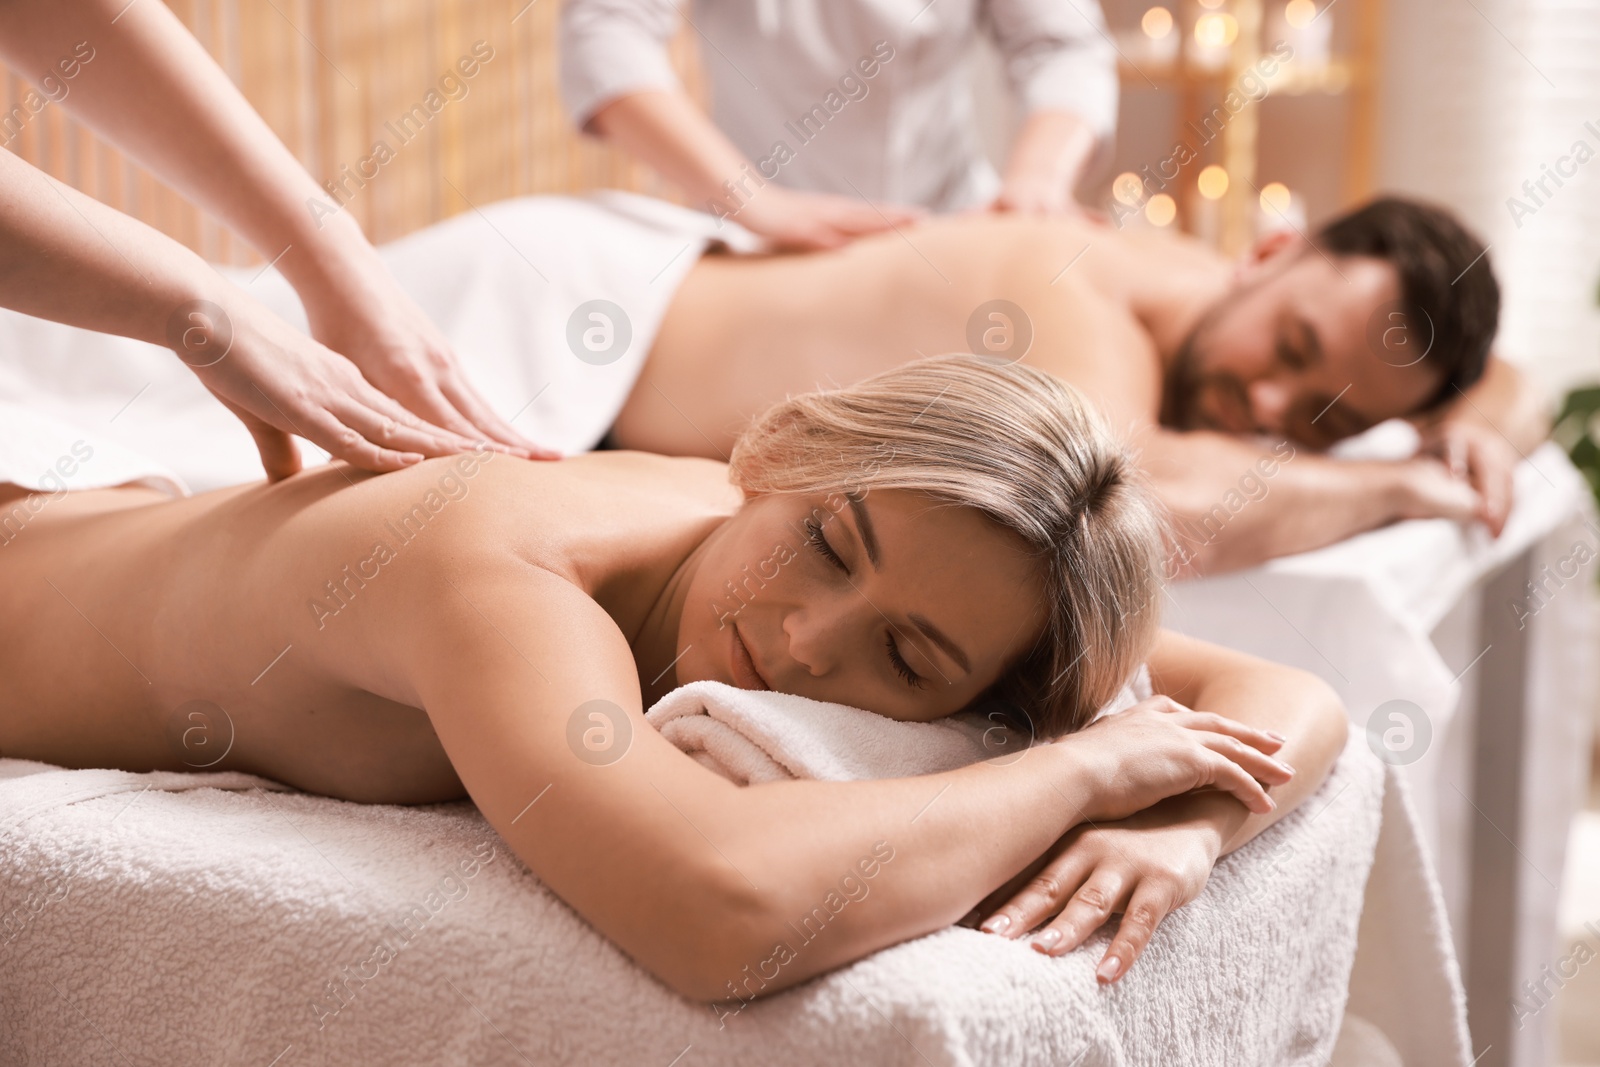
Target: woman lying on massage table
[(943, 532)]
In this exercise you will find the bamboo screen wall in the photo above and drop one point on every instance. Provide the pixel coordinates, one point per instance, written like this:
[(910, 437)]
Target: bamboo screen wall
[(330, 75)]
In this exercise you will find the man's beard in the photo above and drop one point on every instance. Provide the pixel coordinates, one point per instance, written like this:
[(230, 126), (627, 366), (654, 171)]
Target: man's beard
[(1186, 378), (1180, 385)]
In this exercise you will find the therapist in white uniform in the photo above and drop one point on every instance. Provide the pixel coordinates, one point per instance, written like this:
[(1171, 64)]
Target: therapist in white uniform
[(834, 118)]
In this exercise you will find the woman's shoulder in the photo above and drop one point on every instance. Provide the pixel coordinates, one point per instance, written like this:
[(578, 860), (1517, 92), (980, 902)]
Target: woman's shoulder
[(629, 475), (552, 509)]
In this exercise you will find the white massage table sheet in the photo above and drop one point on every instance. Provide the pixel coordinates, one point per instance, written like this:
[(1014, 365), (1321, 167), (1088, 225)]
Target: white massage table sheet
[(202, 919), (1379, 617)]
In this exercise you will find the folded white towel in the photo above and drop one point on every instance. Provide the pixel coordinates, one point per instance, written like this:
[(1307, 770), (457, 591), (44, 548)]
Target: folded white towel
[(752, 737), (749, 736)]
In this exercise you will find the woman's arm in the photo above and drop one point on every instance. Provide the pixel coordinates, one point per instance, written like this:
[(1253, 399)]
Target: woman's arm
[(151, 89), (726, 892), (1292, 703), (1159, 859)]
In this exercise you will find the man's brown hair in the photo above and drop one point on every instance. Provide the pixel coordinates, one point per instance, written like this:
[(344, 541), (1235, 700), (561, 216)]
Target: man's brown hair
[(1446, 282)]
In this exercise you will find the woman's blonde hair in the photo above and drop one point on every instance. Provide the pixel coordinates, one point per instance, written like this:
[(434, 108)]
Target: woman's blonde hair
[(1026, 450)]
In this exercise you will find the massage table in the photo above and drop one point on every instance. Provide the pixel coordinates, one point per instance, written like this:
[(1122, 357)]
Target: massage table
[(1437, 623), (211, 918)]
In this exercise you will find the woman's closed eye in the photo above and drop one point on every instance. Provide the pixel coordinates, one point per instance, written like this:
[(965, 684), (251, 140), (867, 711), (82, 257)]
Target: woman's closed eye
[(901, 667), (816, 540)]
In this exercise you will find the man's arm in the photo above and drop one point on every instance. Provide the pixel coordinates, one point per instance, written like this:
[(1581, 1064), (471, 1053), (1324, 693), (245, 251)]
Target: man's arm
[(1505, 401), (1235, 503)]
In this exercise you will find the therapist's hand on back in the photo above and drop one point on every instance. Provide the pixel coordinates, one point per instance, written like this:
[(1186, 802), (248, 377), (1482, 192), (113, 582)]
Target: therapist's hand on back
[(795, 220), (669, 131), (280, 382), (1033, 193), (371, 321), (399, 397)]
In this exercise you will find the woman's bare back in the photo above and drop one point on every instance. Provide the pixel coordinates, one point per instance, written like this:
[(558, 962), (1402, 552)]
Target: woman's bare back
[(252, 628)]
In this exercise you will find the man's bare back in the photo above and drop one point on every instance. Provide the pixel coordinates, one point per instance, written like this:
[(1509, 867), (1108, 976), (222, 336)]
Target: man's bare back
[(742, 331)]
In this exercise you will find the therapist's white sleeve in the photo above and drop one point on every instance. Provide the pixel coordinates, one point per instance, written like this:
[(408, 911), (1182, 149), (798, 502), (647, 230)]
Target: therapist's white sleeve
[(610, 48), (1058, 57)]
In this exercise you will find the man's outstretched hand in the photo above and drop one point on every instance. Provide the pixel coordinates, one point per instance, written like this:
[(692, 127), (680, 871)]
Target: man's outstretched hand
[(1479, 457)]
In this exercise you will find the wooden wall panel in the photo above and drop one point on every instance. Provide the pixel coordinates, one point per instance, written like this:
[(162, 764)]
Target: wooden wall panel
[(335, 77)]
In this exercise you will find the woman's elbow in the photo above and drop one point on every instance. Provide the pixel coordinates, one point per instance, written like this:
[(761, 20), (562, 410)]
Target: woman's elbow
[(1327, 724), (714, 948)]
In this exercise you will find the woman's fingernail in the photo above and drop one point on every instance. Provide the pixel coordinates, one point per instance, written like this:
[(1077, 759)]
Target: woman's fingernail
[(1108, 969), (1047, 939), (1276, 736), (1286, 768), (996, 924), (1272, 805)]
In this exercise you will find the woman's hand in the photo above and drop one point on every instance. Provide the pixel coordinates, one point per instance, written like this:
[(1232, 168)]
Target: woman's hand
[(805, 221), (1158, 748), (1144, 867)]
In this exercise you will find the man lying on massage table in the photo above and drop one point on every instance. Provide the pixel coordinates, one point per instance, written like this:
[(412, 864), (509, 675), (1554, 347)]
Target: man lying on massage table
[(445, 631), (1386, 312)]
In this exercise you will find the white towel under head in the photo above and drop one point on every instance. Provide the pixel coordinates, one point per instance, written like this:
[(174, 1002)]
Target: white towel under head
[(755, 736)]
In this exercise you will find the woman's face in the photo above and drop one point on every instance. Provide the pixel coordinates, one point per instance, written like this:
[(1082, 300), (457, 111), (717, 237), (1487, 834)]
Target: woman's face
[(889, 601)]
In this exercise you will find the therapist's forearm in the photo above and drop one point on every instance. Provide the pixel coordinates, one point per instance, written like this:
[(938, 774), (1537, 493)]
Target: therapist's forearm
[(668, 131), (186, 122), (1051, 150), (69, 258)]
